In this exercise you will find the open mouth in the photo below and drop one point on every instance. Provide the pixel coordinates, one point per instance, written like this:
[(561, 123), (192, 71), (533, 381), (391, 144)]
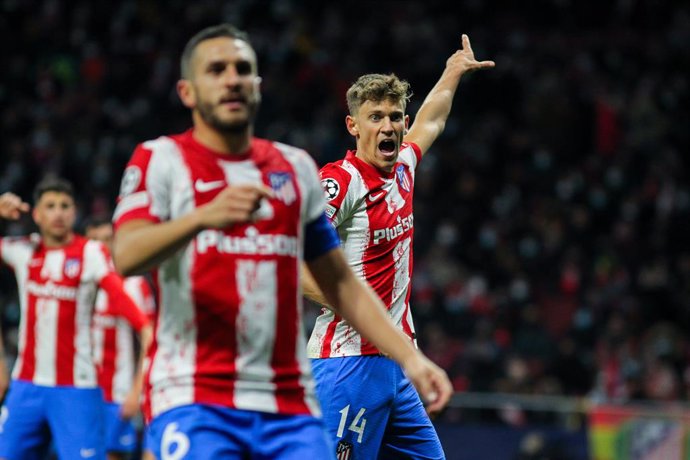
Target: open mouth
[(233, 102), (387, 147)]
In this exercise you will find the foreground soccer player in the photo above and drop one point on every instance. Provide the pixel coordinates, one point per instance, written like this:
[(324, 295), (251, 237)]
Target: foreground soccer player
[(370, 407), (54, 388), (119, 371), (226, 218)]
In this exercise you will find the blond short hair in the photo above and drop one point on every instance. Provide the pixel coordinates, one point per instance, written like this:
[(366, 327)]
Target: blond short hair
[(377, 87)]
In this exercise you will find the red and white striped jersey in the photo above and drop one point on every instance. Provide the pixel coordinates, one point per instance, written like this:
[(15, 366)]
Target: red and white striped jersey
[(229, 327), (57, 291), (372, 212), (113, 336)]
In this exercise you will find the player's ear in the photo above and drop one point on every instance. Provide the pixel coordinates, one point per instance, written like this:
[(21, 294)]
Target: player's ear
[(407, 124), (351, 124), (185, 91)]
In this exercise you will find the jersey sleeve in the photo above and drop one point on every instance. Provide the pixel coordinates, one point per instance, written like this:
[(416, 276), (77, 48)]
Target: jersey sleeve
[(120, 303), (335, 182), (410, 154), (144, 189), (14, 251), (97, 262)]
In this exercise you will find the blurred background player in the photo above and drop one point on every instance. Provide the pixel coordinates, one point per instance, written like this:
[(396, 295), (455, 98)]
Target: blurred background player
[(371, 408), (54, 387), (227, 218), (119, 370)]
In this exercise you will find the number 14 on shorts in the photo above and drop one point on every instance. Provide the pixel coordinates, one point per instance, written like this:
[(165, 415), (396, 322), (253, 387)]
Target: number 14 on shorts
[(357, 425)]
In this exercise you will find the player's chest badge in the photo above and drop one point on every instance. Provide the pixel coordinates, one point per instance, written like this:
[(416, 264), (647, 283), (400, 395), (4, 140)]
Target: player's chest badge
[(283, 187), (72, 267), (403, 179)]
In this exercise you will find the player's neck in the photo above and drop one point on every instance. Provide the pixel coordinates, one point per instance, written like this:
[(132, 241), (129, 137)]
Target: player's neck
[(50, 241), (225, 143)]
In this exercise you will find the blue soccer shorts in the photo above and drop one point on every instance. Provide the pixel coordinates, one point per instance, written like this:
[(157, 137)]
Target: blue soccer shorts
[(371, 410), (203, 432), (120, 435), (31, 413)]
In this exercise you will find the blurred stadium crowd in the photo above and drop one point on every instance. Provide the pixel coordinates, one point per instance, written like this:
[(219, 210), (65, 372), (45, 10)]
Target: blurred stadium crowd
[(552, 215)]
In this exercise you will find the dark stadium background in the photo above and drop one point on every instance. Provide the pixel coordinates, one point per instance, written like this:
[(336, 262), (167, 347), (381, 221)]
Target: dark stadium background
[(552, 216)]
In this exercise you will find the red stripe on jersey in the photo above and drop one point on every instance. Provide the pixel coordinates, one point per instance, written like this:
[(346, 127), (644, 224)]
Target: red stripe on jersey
[(289, 393), (328, 338), (28, 352), (133, 181), (67, 315), (216, 301)]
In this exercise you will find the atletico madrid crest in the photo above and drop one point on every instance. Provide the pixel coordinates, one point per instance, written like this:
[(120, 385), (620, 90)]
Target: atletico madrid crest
[(403, 181), (344, 451), (281, 183), (72, 267)]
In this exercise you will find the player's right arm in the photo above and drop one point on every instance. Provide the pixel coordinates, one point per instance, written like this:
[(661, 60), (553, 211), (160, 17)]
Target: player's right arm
[(140, 244), (11, 208)]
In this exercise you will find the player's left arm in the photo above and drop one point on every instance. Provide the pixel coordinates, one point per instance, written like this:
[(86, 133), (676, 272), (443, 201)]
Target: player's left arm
[(130, 406), (431, 117)]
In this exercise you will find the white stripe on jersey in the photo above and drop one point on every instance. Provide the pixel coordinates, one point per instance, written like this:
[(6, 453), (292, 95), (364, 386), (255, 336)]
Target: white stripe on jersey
[(256, 325), (175, 335), (46, 337)]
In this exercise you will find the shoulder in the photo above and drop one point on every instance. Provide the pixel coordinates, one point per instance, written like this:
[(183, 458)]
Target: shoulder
[(19, 244), (410, 153), (336, 178)]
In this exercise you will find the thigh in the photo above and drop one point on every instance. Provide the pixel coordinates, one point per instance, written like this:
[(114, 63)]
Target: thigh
[(198, 432), (410, 433), (76, 419), (24, 431), (120, 435), (356, 394), (292, 437)]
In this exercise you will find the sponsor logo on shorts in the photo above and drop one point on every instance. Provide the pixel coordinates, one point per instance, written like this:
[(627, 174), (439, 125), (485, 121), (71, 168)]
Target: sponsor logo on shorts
[(87, 453)]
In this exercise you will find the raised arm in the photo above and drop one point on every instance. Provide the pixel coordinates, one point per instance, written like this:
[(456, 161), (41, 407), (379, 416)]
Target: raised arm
[(432, 115), (140, 245), (11, 206), (358, 304)]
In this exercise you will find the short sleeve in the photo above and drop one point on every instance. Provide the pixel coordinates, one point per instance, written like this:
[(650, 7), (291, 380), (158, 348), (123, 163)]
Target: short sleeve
[(335, 182), (144, 189), (410, 154), (97, 262), (15, 251)]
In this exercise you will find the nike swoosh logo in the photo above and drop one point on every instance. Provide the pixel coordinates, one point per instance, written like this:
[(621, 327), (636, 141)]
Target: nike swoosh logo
[(374, 197), (202, 186), (86, 453)]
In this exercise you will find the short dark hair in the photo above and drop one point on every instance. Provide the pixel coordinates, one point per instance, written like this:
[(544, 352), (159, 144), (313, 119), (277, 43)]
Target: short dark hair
[(220, 30), (53, 184)]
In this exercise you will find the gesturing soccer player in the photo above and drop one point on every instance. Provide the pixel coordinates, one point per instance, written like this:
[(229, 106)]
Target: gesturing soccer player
[(370, 407), (226, 218), (54, 388), (119, 371)]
